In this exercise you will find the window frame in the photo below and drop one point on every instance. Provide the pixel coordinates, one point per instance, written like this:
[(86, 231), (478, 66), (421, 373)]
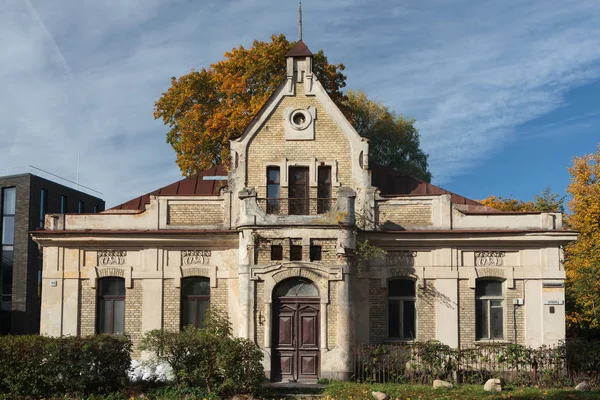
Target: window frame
[(109, 299), (401, 300), (273, 203), (64, 203), (43, 205), (324, 188), (193, 300), (488, 299), (7, 247), (278, 248), (295, 252), (299, 205)]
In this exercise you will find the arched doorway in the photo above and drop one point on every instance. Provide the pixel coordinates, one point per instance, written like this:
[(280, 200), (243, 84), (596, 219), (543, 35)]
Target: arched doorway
[(296, 306)]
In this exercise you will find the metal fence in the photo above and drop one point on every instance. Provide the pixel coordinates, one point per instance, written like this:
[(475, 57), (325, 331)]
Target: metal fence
[(423, 362)]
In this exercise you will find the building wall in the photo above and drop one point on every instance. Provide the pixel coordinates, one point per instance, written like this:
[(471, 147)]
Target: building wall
[(26, 285), (269, 146)]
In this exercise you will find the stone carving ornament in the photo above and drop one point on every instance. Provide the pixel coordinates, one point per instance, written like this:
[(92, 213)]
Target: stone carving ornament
[(111, 257), (194, 257), (489, 258), (401, 257)]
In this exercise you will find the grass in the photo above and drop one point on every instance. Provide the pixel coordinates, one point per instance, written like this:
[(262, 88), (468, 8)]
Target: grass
[(349, 390)]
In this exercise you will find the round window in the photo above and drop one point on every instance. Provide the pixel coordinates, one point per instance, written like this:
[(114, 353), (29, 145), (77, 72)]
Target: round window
[(300, 119)]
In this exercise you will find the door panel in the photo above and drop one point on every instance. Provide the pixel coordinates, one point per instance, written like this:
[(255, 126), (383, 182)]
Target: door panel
[(295, 341)]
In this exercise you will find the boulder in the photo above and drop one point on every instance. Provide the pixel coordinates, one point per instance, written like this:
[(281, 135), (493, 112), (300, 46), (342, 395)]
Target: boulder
[(583, 387), (440, 384), (380, 396), (493, 385)]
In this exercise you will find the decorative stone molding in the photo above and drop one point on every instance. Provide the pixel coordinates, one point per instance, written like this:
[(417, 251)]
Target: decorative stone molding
[(505, 273), (96, 273), (489, 258), (194, 270), (400, 257), (111, 257), (417, 273), (194, 257)]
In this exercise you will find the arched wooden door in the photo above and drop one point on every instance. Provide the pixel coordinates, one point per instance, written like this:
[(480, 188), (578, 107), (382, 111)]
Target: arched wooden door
[(296, 307)]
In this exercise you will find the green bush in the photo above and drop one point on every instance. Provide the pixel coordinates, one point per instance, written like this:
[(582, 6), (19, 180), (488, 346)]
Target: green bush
[(209, 358), (42, 366)]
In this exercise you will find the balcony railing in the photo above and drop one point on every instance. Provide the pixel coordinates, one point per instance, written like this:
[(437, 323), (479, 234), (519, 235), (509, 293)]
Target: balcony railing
[(303, 206)]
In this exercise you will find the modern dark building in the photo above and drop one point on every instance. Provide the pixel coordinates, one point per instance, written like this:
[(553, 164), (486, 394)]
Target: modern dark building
[(24, 200)]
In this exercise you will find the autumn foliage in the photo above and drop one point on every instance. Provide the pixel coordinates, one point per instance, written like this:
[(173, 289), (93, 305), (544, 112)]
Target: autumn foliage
[(547, 201), (583, 256), (205, 109)]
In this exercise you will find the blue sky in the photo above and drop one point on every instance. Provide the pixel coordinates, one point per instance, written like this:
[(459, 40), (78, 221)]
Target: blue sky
[(505, 92)]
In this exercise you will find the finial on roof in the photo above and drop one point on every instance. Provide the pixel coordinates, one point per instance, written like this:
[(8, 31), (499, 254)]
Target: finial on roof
[(300, 20)]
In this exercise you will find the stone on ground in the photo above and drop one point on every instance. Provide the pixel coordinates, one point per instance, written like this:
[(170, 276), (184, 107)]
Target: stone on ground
[(438, 383), (493, 385), (380, 396), (583, 387)]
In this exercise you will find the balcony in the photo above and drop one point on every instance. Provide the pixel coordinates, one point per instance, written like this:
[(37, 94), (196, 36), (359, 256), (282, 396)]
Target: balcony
[(301, 206)]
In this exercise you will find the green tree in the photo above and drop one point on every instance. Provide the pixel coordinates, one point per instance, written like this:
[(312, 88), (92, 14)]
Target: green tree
[(205, 109), (394, 139)]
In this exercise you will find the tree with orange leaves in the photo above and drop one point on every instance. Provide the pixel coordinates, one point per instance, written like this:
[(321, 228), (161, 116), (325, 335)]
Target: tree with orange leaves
[(582, 257), (205, 109), (547, 201)]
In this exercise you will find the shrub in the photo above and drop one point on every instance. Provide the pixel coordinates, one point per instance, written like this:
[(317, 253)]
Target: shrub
[(43, 366), (209, 358)]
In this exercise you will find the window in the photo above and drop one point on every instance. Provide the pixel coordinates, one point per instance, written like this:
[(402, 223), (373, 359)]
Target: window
[(295, 253), (273, 194), (95, 209), (111, 305), (298, 191), (7, 239), (489, 310), (80, 206), (63, 204), (401, 309), (195, 301), (315, 252), (43, 205), (324, 189), (276, 252)]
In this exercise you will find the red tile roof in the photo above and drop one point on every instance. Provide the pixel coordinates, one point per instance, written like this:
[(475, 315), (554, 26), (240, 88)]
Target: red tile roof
[(299, 50), (393, 183), (193, 185)]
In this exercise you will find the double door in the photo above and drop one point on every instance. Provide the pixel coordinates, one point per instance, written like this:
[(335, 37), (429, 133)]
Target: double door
[(295, 340)]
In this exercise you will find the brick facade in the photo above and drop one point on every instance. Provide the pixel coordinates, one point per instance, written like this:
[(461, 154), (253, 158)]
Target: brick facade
[(269, 146), (133, 314), (332, 316), (171, 306), (403, 215), (426, 314), (195, 214), (87, 308)]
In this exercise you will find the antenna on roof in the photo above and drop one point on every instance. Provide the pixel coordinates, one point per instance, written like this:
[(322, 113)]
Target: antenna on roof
[(300, 20)]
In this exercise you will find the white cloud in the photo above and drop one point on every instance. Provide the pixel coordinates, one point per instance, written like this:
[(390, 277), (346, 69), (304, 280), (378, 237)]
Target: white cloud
[(83, 76)]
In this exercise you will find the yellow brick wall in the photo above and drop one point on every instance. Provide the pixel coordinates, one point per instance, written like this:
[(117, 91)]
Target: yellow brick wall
[(332, 316), (133, 314), (87, 309), (426, 314), (195, 214), (466, 318), (269, 144), (171, 306), (390, 215), (218, 295), (259, 304)]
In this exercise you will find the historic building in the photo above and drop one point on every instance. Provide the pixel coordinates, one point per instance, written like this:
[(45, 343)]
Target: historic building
[(24, 201), (273, 241)]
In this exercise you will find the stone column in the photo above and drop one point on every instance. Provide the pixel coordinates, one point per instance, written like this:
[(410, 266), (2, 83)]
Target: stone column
[(346, 314), (245, 292)]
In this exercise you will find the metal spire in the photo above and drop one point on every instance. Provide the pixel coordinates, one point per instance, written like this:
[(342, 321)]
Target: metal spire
[(300, 20)]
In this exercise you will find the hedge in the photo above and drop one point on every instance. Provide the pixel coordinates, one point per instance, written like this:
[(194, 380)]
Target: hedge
[(42, 366)]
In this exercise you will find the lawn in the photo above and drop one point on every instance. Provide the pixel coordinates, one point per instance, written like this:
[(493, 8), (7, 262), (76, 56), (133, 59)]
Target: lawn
[(348, 390)]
